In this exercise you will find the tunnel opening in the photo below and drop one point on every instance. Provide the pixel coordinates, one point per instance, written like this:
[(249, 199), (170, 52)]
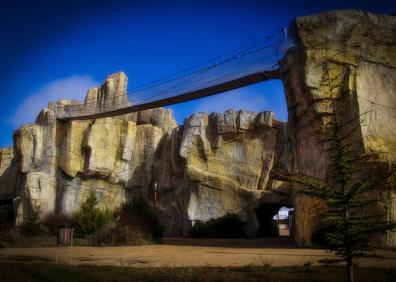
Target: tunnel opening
[(275, 220)]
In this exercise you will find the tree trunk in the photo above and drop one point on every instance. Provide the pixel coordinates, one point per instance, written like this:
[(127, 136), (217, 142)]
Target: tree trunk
[(350, 269)]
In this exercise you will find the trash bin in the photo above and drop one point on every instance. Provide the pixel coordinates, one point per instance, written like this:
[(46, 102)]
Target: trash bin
[(65, 236)]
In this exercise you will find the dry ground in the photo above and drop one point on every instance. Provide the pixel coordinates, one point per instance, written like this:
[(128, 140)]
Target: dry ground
[(191, 252)]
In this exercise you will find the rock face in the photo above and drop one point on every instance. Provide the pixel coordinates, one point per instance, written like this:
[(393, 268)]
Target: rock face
[(111, 94), (227, 158), (222, 162), (59, 163), (349, 55), (8, 173), (212, 165), (8, 184)]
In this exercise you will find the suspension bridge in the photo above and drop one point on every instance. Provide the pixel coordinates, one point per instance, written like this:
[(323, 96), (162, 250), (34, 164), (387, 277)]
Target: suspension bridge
[(252, 63)]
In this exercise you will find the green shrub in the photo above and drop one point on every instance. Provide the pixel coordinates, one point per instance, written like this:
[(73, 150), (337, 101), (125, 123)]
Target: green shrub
[(137, 224), (132, 224), (31, 225), (227, 226), (89, 219)]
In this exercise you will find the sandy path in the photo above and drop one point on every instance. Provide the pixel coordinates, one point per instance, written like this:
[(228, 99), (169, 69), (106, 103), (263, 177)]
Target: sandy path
[(189, 252)]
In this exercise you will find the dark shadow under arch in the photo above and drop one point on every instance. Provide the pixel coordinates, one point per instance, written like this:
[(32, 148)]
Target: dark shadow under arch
[(268, 227)]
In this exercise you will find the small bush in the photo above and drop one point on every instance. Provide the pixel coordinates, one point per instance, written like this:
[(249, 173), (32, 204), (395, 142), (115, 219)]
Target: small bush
[(89, 219), (137, 224), (227, 226), (140, 216), (133, 224), (32, 223)]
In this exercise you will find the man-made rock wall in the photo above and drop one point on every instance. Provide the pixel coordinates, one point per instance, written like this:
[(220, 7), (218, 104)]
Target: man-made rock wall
[(227, 158), (8, 184), (349, 56), (211, 165), (58, 163), (222, 162), (8, 173)]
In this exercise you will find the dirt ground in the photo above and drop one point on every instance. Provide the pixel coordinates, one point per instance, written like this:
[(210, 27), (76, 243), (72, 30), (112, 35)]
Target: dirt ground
[(191, 252)]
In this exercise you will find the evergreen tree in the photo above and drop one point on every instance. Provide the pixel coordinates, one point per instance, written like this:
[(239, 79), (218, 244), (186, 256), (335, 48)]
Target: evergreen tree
[(355, 209), (89, 219), (354, 193)]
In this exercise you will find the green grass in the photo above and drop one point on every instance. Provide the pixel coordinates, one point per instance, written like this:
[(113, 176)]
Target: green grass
[(25, 271)]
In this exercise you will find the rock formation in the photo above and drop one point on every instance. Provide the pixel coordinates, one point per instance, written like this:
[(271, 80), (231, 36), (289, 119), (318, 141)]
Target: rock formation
[(348, 55), (221, 162)]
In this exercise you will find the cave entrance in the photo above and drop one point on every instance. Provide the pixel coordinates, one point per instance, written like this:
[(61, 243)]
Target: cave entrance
[(275, 220)]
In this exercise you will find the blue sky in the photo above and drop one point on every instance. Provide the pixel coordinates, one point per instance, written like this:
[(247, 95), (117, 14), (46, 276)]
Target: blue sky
[(57, 49)]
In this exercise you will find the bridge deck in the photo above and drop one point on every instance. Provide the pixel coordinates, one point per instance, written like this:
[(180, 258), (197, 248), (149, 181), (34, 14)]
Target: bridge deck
[(205, 92)]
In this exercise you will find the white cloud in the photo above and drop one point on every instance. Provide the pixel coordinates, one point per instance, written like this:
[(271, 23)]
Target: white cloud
[(238, 99), (72, 87)]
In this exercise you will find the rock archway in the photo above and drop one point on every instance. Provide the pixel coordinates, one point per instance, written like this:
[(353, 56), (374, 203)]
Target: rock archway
[(270, 220)]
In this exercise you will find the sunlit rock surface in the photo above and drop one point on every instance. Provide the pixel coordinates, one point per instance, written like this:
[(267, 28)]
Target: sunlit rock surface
[(212, 165), (111, 94), (228, 158), (349, 55)]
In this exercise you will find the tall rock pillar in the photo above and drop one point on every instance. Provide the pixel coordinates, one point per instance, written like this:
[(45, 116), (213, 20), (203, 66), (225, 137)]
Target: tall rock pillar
[(350, 56)]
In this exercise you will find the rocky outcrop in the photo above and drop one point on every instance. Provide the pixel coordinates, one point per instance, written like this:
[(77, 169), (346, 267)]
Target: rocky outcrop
[(212, 165), (228, 157), (219, 162), (60, 162), (8, 174), (111, 94), (347, 55)]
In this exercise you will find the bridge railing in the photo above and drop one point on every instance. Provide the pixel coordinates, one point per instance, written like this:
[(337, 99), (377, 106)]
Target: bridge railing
[(249, 64)]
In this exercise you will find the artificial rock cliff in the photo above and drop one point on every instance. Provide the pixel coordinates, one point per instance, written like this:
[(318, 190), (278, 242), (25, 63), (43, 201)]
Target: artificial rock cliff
[(349, 56), (221, 162), (211, 165)]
